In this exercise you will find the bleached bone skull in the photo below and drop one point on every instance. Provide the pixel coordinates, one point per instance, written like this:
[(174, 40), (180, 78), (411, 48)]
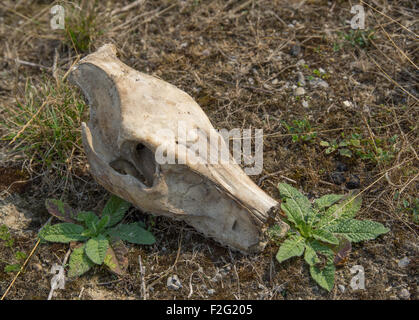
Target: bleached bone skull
[(128, 109)]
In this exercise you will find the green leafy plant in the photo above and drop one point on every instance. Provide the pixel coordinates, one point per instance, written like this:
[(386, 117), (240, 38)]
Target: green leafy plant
[(300, 130), (19, 256), (100, 238), (410, 206), (6, 236), (15, 267), (333, 145), (379, 150), (323, 231), (355, 38)]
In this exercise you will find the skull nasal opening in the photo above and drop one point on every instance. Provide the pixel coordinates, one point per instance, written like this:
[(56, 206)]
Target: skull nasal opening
[(138, 161)]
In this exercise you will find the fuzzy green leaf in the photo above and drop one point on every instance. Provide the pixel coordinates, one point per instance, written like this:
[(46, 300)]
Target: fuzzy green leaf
[(310, 255), (102, 223), (295, 205), (61, 210), (325, 236), (132, 233), (322, 249), (12, 267), (62, 232), (327, 200), (116, 257), (115, 208), (345, 152), (358, 230), (292, 247), (89, 219), (325, 277), (330, 150), (346, 209), (96, 248), (79, 262)]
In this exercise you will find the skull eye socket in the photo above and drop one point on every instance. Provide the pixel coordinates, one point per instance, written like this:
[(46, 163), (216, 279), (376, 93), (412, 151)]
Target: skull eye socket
[(138, 161), (145, 163)]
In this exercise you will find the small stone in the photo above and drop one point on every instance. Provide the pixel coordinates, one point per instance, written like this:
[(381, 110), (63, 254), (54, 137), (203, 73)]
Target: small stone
[(211, 292), (37, 267), (216, 278), (341, 288), (403, 263), (173, 282), (206, 53), (299, 91), (305, 104), (341, 167), (251, 81), (295, 50), (275, 81), (337, 178), (353, 182), (404, 294), (224, 271), (301, 62), (347, 104), (321, 70), (318, 83), (301, 79)]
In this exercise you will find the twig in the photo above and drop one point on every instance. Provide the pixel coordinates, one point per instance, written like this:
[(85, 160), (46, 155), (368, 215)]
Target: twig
[(389, 18), (190, 286), (405, 186), (267, 176), (31, 64), (142, 278), (401, 51), (391, 79), (54, 67), (127, 7), (288, 179)]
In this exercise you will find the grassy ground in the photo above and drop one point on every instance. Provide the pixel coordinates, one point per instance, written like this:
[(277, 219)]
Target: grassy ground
[(243, 62)]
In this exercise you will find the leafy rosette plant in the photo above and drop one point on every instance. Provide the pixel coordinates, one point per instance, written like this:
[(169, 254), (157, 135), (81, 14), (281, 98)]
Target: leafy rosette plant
[(99, 240), (323, 232)]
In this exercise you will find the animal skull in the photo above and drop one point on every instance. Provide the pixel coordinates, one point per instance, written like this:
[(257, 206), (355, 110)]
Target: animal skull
[(128, 109)]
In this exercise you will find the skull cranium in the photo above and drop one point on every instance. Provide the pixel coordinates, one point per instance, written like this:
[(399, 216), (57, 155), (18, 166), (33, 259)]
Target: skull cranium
[(128, 111)]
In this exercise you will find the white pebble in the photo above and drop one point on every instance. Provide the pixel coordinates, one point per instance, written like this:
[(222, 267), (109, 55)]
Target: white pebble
[(173, 282)]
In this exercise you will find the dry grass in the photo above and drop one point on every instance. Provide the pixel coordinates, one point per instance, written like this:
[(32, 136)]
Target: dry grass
[(239, 60)]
